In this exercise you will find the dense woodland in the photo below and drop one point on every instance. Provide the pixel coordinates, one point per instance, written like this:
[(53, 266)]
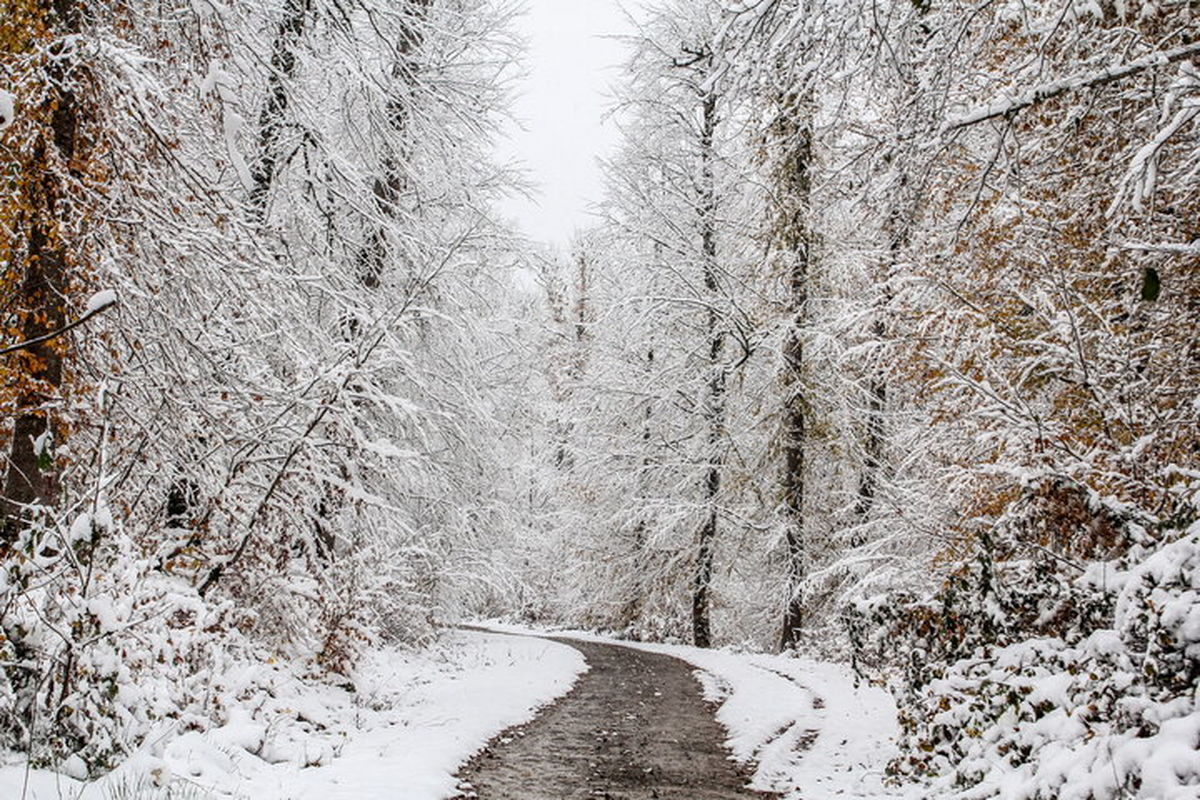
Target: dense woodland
[(883, 347)]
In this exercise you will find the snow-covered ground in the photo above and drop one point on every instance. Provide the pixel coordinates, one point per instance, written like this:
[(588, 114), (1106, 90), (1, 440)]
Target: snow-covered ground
[(808, 729), (412, 720), (401, 734)]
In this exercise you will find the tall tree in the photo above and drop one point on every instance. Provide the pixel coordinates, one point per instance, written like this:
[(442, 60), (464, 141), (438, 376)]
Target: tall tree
[(48, 162), (791, 135), (230, 388)]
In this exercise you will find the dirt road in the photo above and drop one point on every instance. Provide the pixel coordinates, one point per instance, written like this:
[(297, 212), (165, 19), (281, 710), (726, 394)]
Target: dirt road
[(633, 728)]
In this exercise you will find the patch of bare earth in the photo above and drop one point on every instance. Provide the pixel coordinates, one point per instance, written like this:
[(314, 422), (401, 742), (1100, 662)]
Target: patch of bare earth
[(634, 727)]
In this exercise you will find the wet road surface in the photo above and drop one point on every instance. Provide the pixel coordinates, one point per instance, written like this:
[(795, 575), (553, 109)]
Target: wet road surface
[(634, 727)]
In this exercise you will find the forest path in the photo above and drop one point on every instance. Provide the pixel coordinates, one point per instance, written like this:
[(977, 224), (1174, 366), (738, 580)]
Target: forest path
[(634, 727)]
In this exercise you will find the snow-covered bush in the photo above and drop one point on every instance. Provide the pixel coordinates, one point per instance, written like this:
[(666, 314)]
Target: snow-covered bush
[(1027, 575), (98, 646), (1104, 704)]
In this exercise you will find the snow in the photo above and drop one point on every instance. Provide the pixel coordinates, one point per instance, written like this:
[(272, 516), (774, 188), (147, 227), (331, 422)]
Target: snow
[(1179, 248), (411, 720), (99, 301), (213, 78), (1113, 714), (43, 443), (81, 529), (7, 109), (805, 726)]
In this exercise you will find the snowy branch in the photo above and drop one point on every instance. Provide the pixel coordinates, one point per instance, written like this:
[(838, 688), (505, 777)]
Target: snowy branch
[(96, 306), (1054, 89), (1177, 248)]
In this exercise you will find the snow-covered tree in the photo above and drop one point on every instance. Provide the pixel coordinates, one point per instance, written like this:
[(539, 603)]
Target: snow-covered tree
[(276, 443)]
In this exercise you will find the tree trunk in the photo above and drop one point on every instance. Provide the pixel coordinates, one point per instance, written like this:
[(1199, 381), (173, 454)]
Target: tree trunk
[(40, 251), (274, 113), (632, 611), (877, 390), (389, 186), (582, 300), (714, 407), (30, 479), (793, 132), (868, 484)]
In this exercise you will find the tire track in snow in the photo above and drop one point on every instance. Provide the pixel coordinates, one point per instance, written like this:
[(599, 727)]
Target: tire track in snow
[(786, 748)]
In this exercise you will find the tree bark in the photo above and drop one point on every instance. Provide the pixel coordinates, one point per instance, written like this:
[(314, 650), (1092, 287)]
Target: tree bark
[(40, 246), (632, 610), (897, 230), (868, 483), (30, 479), (793, 131), (389, 186), (274, 113), (714, 407)]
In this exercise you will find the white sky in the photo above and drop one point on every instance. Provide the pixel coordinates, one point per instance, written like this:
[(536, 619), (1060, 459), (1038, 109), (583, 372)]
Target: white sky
[(561, 103)]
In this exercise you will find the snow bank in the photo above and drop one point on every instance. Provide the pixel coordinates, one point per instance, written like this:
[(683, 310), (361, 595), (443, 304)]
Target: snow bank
[(811, 732), (808, 731), (400, 733)]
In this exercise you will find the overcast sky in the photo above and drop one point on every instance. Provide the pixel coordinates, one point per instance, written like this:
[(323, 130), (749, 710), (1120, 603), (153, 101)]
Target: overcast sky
[(570, 64)]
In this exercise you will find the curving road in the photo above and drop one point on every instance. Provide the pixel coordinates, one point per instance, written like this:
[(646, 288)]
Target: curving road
[(634, 727)]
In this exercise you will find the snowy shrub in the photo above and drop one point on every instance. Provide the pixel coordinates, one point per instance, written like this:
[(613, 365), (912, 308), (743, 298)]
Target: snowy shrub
[(1024, 580), (97, 662), (98, 646), (1108, 707), (1158, 616)]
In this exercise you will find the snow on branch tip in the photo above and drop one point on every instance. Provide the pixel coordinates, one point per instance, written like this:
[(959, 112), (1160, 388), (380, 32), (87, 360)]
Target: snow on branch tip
[(97, 304), (7, 109)]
